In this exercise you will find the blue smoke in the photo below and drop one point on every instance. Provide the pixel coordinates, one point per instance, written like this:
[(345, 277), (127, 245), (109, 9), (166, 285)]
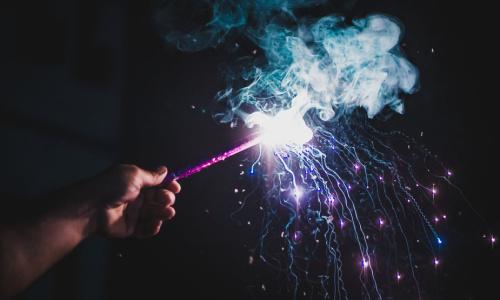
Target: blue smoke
[(327, 68), (322, 64)]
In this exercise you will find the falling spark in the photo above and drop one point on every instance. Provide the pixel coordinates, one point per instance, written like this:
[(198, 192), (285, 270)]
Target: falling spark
[(364, 263)]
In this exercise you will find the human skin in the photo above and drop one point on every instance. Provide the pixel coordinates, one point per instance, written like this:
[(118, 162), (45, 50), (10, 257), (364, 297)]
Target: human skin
[(123, 201)]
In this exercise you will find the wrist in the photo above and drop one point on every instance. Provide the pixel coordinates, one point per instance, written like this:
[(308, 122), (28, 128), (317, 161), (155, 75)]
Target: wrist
[(76, 208)]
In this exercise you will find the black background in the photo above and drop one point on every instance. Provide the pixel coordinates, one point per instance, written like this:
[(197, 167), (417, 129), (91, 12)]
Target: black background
[(85, 84)]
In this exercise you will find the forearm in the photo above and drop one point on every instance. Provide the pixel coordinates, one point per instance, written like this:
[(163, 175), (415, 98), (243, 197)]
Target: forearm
[(29, 248)]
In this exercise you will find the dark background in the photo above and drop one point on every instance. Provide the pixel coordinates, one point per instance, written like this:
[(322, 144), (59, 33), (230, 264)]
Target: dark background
[(85, 84)]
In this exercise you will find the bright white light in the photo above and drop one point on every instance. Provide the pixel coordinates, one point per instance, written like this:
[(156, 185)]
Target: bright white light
[(286, 127), (364, 263)]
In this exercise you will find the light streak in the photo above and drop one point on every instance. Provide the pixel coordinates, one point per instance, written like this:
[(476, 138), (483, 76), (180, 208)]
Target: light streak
[(242, 145)]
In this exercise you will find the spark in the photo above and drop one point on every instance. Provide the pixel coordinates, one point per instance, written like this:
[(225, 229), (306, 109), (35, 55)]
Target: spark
[(364, 263)]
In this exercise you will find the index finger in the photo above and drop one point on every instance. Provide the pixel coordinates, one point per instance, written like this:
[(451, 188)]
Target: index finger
[(174, 186)]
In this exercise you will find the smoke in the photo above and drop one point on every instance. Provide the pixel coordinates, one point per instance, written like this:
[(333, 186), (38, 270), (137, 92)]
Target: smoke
[(324, 67)]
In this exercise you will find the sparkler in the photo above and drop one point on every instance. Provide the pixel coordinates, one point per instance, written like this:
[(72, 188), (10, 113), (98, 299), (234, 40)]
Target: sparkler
[(283, 128), (242, 145)]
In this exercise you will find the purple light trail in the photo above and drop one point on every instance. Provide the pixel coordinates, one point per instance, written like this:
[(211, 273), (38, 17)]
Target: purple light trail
[(242, 145)]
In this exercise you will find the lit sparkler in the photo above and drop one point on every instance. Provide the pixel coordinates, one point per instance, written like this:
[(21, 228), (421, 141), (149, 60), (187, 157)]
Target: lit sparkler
[(284, 128), (323, 197)]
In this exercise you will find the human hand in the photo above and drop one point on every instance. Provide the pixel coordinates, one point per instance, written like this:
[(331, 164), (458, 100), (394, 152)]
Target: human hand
[(132, 204), (123, 201)]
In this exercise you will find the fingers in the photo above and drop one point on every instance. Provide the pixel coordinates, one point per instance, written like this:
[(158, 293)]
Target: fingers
[(157, 213), (174, 186), (149, 229), (163, 197), (156, 209), (151, 225), (158, 201), (152, 178)]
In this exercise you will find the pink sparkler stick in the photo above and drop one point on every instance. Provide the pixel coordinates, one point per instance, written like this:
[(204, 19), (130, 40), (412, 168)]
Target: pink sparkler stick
[(242, 145)]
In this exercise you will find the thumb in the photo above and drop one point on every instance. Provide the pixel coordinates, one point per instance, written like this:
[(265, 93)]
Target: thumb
[(152, 178)]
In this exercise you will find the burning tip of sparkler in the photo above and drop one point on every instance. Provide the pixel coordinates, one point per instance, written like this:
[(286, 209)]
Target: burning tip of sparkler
[(286, 127)]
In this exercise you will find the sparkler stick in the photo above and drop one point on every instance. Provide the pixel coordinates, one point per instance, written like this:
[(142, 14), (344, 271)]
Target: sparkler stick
[(242, 145)]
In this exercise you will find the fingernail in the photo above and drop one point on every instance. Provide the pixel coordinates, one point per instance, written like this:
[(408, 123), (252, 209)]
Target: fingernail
[(161, 169)]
